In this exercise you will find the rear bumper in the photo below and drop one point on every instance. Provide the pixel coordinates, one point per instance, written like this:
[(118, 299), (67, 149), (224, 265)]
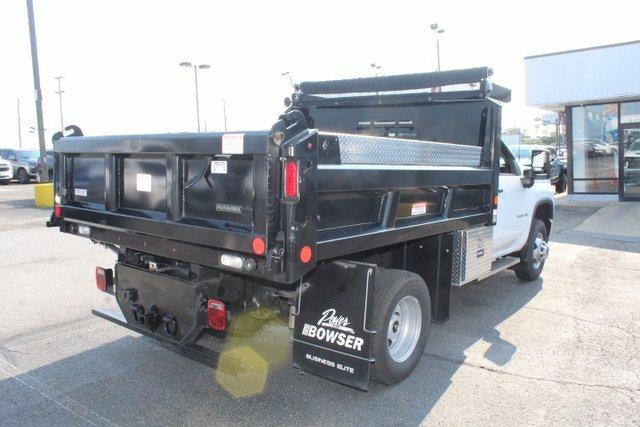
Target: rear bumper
[(193, 351)]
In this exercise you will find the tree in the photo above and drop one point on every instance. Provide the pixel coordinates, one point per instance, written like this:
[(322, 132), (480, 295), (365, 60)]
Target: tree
[(515, 131)]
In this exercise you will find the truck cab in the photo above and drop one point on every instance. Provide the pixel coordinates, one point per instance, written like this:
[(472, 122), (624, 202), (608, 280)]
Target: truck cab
[(521, 202)]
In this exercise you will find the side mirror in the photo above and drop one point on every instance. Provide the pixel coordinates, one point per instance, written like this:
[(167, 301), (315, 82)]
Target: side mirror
[(528, 177), (541, 163)]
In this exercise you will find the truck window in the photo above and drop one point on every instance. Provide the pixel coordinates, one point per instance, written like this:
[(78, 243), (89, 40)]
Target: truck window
[(505, 163)]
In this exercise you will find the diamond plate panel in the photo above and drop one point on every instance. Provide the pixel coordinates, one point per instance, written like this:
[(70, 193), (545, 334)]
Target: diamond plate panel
[(363, 149), (472, 251)]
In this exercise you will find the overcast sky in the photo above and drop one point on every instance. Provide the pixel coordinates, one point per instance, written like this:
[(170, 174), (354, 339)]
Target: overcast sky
[(120, 58)]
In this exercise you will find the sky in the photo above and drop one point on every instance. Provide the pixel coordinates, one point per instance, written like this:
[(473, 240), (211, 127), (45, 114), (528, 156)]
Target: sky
[(120, 58)]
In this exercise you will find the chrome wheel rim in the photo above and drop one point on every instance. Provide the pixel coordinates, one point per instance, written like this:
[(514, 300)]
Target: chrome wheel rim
[(540, 250), (403, 331)]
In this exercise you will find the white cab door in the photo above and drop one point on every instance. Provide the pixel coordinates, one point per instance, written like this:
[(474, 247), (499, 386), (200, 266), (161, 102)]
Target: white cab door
[(515, 208)]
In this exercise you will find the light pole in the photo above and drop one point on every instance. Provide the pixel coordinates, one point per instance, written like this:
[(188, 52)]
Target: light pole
[(376, 68), (287, 73), (195, 75), (224, 112), (437, 32), (59, 92)]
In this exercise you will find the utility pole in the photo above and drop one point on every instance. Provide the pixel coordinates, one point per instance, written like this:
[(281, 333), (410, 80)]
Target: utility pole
[(42, 160), (19, 126), (60, 92), (224, 111)]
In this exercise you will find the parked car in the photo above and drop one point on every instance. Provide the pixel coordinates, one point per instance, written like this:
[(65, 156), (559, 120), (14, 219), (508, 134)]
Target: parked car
[(558, 168), (6, 173), (23, 163)]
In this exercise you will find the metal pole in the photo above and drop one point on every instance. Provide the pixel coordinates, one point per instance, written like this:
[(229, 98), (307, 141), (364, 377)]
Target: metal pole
[(44, 177), (19, 126), (224, 111), (195, 73), (438, 49), (59, 92)]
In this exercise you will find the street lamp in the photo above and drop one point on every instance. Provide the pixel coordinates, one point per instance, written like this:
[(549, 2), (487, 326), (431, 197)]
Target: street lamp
[(437, 31), (376, 68), (195, 75), (287, 73)]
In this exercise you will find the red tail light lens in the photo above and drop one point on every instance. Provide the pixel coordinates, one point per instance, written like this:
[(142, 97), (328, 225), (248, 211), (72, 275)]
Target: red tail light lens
[(216, 315), (57, 211), (258, 246), (291, 179), (104, 278)]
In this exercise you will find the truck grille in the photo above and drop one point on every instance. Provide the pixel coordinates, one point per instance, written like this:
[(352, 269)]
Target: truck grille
[(4, 168)]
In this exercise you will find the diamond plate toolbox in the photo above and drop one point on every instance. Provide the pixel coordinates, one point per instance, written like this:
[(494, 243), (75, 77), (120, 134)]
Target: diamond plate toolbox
[(472, 250), (363, 149)]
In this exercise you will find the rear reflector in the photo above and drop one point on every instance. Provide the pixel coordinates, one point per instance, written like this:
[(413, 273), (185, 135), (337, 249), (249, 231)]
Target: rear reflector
[(57, 211), (258, 246), (216, 315), (305, 254), (291, 179), (104, 278)]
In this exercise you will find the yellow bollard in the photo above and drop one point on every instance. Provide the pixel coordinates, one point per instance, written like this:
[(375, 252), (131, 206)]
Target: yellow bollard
[(44, 195)]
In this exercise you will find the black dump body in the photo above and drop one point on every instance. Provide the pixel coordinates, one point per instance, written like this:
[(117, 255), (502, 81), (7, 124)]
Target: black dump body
[(380, 161)]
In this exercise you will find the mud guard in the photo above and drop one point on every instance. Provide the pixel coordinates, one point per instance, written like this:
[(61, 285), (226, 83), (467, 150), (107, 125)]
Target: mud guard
[(333, 336)]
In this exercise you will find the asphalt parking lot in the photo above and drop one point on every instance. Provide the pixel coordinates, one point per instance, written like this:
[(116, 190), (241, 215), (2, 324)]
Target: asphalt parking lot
[(562, 350)]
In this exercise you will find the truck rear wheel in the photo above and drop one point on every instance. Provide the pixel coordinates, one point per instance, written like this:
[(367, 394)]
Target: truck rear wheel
[(402, 313), (534, 253)]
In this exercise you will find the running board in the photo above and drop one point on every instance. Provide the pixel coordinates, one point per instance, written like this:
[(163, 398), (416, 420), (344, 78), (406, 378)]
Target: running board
[(499, 265)]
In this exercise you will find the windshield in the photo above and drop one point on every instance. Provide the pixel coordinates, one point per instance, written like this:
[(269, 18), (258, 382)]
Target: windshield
[(28, 154), (521, 152), (634, 147)]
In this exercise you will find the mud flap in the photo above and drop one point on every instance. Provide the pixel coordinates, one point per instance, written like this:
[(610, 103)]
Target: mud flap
[(333, 336)]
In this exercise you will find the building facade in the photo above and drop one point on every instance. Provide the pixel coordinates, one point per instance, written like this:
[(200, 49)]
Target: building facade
[(597, 93)]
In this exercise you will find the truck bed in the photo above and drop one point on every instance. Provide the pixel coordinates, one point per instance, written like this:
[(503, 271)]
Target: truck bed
[(193, 197)]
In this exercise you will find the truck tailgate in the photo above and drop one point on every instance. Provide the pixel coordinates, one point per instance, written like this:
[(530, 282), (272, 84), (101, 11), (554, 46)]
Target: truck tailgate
[(209, 189)]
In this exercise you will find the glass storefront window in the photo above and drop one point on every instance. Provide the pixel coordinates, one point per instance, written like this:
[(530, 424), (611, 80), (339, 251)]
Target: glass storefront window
[(595, 148), (630, 112)]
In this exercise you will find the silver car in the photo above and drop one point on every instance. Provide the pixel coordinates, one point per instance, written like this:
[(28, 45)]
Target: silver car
[(23, 163)]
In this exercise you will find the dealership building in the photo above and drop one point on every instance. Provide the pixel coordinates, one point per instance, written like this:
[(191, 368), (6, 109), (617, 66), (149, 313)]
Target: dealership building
[(596, 93)]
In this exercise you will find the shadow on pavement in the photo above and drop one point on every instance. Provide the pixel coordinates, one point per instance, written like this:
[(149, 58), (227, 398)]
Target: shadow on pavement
[(134, 380)]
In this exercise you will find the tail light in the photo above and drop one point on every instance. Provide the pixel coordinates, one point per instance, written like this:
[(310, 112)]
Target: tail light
[(291, 179), (57, 211), (104, 278), (216, 315)]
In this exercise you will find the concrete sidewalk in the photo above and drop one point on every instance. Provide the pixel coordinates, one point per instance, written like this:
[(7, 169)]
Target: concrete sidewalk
[(610, 219)]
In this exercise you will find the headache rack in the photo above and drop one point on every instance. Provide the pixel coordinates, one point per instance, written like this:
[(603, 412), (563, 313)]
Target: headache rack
[(454, 85)]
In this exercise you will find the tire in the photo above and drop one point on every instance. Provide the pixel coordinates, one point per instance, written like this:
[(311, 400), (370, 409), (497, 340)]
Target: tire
[(397, 345), (23, 176), (561, 185), (534, 253), (5, 182)]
